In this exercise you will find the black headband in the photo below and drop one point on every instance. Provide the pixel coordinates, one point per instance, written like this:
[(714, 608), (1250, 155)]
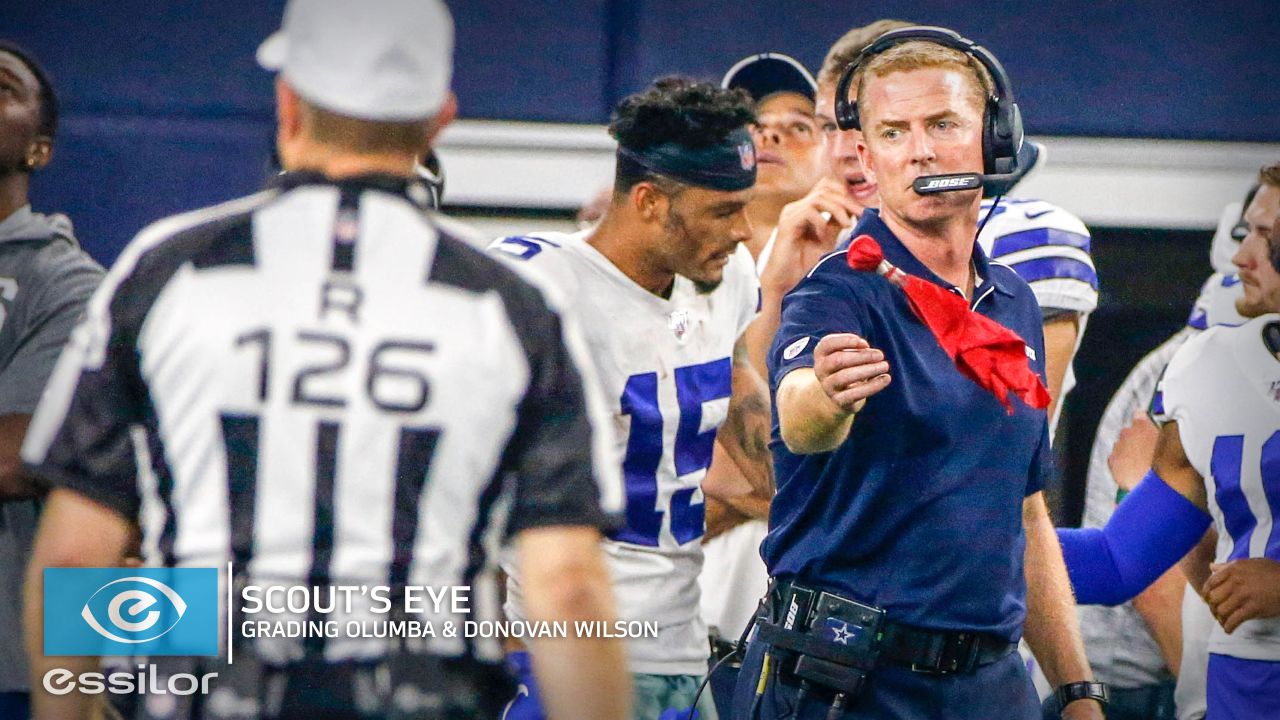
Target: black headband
[(729, 165)]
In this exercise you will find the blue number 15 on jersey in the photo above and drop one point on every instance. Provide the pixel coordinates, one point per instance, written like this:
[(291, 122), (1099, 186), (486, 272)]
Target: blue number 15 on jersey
[(695, 385)]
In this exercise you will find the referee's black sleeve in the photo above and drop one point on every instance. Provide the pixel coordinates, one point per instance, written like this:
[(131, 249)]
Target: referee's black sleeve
[(80, 437), (550, 452)]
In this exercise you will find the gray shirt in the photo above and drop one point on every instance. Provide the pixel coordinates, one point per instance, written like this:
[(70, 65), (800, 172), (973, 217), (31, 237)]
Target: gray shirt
[(45, 281)]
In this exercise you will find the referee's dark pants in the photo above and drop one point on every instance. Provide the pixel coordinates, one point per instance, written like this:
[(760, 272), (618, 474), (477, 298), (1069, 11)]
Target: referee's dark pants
[(999, 691)]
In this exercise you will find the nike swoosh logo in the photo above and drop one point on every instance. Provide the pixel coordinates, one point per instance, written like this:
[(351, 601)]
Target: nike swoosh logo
[(1032, 216), (1230, 280)]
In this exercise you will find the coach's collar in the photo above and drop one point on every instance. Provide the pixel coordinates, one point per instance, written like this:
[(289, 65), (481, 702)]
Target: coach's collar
[(898, 254)]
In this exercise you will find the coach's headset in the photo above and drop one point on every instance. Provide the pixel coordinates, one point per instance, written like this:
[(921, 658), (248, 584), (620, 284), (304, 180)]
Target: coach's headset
[(1001, 121)]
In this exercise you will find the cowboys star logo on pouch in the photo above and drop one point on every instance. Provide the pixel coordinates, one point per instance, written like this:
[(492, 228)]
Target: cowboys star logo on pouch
[(747, 154)]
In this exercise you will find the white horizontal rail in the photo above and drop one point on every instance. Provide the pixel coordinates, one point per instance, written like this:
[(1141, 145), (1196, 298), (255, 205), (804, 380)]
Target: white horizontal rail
[(1112, 182)]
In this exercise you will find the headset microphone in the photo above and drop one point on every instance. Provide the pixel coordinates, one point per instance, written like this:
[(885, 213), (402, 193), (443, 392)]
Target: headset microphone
[(932, 184)]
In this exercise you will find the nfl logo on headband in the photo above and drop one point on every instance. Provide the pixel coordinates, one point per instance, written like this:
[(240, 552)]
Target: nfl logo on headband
[(747, 154)]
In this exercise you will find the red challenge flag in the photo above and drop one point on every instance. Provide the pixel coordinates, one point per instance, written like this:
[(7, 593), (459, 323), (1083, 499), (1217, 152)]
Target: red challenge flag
[(983, 350)]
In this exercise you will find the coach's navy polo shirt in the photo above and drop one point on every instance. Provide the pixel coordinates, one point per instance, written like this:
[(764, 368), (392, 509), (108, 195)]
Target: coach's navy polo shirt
[(920, 510)]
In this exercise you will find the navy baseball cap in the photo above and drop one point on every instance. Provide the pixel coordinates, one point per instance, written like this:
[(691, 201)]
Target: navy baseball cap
[(767, 73)]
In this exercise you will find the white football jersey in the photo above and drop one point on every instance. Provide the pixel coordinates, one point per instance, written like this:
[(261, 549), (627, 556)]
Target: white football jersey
[(1216, 304), (1049, 248), (1223, 389), (665, 368)]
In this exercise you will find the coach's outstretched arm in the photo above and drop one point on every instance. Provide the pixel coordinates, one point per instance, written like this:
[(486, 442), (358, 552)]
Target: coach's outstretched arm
[(816, 405), (564, 578), (1158, 523), (74, 532)]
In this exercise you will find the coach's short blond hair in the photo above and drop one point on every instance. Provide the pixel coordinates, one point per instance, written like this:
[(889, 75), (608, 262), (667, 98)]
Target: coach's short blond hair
[(922, 55), (850, 46)]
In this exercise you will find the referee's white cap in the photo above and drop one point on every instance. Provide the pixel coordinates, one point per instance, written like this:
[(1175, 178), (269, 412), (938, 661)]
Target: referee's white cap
[(371, 59)]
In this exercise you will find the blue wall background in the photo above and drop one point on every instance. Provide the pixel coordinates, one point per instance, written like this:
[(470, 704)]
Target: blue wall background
[(165, 109)]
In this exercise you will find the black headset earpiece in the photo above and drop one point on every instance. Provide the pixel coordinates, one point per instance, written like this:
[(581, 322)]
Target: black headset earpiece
[(846, 111), (1002, 126)]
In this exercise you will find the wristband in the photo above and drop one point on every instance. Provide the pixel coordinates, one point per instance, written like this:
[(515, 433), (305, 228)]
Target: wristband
[(1082, 690)]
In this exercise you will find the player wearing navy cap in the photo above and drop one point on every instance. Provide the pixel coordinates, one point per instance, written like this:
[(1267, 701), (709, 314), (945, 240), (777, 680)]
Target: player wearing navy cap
[(790, 152), (788, 142)]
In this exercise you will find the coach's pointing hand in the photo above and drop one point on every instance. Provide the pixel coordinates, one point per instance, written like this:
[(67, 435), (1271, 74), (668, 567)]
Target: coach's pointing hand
[(850, 370)]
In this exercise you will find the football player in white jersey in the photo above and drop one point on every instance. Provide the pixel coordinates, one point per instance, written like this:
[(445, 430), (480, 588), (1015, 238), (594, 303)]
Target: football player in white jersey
[(664, 289), (1168, 623), (1218, 455), (1049, 248)]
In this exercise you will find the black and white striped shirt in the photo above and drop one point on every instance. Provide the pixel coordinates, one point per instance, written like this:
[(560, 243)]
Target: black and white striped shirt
[(323, 384)]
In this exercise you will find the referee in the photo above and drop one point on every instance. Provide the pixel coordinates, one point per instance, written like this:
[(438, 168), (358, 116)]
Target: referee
[(325, 385)]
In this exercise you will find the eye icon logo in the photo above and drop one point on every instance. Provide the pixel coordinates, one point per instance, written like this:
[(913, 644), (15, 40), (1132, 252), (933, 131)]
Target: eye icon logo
[(131, 611), (134, 603)]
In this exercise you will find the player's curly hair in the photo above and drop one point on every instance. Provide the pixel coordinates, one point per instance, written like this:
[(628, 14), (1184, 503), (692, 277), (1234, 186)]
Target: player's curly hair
[(677, 109)]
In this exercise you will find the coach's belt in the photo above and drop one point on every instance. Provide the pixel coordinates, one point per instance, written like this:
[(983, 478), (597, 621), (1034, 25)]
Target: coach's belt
[(936, 652), (940, 652)]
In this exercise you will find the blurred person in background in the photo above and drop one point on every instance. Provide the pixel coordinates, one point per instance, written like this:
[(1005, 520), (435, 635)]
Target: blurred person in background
[(45, 281), (1138, 647), (1214, 462)]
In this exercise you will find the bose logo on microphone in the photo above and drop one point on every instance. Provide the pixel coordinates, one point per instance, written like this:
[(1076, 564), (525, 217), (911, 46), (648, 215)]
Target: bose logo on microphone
[(131, 611), (953, 182)]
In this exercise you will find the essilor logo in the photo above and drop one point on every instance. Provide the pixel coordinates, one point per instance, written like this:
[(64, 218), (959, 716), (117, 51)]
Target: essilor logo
[(139, 601)]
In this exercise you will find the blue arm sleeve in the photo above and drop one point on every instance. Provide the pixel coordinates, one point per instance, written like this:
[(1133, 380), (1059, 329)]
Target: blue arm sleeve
[(527, 704), (1149, 532)]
